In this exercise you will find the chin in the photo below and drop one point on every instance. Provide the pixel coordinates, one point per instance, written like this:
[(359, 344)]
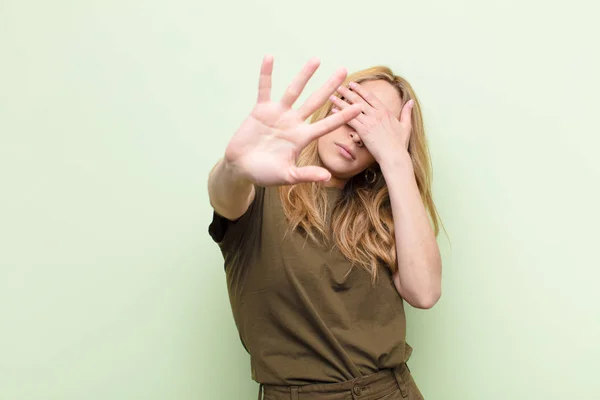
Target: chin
[(337, 168)]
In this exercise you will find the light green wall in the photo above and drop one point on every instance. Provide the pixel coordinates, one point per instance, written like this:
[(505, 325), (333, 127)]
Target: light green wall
[(113, 112)]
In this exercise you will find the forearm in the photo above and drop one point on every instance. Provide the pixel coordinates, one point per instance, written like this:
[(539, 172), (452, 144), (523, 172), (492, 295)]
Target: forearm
[(418, 278), (229, 193)]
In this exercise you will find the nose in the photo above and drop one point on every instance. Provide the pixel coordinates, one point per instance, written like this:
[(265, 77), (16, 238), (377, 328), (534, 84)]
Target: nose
[(354, 136)]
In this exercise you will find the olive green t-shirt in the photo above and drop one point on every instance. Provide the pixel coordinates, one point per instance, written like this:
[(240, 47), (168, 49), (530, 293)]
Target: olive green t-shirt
[(300, 315)]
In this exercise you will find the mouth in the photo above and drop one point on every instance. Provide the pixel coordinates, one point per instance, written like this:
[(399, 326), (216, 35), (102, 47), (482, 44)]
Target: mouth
[(345, 151)]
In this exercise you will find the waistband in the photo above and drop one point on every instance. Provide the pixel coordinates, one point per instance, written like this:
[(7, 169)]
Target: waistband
[(363, 388)]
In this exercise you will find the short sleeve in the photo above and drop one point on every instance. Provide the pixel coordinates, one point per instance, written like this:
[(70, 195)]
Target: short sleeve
[(231, 235)]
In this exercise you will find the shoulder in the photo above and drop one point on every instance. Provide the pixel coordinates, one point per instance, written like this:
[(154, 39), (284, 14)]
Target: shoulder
[(228, 232)]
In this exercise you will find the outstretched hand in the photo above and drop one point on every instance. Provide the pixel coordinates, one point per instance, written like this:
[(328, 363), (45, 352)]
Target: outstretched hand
[(266, 146)]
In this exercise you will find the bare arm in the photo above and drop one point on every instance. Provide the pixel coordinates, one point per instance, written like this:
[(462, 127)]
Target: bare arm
[(419, 274), (418, 278), (265, 148), (229, 192)]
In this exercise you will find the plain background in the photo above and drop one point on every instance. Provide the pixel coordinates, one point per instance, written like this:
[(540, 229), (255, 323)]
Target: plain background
[(112, 114)]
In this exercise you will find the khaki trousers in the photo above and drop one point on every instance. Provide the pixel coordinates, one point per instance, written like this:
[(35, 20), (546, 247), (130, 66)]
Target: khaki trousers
[(387, 384)]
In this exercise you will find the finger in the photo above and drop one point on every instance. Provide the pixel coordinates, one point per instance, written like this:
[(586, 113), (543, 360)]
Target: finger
[(326, 125), (294, 90), (318, 98), (264, 82), (353, 98), (367, 96), (405, 114), (359, 118), (309, 174), (339, 103), (356, 124), (353, 123)]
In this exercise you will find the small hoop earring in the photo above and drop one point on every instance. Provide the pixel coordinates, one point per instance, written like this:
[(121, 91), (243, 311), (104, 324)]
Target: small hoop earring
[(373, 175)]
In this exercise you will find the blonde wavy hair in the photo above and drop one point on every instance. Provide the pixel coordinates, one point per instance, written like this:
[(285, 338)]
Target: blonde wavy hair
[(361, 223)]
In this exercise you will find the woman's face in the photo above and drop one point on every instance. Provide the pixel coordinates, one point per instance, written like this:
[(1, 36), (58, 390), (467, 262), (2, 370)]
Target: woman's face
[(342, 152)]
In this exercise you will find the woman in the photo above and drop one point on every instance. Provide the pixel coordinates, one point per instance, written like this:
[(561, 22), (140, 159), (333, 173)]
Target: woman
[(324, 229)]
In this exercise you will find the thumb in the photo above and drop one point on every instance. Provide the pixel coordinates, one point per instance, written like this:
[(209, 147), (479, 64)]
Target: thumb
[(310, 174)]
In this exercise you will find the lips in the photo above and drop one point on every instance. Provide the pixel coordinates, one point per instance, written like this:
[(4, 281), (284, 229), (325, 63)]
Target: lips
[(347, 149)]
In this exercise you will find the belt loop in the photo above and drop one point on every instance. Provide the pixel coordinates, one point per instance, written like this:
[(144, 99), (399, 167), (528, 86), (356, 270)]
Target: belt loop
[(294, 390), (397, 371), (260, 389)]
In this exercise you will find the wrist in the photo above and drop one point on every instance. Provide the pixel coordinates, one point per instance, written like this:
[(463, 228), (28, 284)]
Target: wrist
[(234, 173), (397, 160)]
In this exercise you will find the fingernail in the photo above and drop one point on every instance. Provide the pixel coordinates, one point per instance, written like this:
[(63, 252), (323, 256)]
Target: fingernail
[(353, 84)]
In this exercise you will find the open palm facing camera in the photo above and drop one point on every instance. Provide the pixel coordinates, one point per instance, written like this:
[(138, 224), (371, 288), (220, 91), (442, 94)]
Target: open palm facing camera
[(266, 146)]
